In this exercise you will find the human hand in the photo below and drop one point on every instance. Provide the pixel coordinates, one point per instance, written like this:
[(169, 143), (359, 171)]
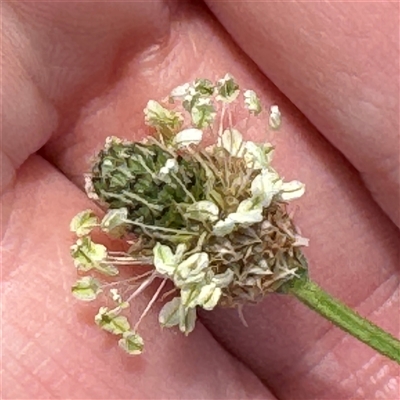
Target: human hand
[(77, 73)]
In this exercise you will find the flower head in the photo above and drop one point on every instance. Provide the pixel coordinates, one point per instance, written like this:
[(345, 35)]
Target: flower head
[(212, 221)]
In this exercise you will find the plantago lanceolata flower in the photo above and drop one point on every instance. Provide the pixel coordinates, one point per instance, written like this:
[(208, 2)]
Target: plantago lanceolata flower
[(211, 220)]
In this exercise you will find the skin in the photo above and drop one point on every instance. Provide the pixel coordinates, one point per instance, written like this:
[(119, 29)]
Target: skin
[(76, 73)]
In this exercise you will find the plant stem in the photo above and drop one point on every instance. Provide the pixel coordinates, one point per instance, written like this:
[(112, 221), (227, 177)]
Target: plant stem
[(314, 297)]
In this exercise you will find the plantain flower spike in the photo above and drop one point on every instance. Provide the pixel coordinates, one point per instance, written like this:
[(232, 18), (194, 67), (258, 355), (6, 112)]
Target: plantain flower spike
[(211, 220)]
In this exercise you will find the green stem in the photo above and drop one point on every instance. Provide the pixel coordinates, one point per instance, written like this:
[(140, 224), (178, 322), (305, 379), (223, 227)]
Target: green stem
[(344, 317)]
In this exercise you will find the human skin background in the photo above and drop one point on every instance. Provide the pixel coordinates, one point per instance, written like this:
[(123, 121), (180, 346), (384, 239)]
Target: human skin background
[(75, 73)]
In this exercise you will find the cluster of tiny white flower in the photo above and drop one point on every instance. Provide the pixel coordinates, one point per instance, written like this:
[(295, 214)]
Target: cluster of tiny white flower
[(188, 268), (198, 285)]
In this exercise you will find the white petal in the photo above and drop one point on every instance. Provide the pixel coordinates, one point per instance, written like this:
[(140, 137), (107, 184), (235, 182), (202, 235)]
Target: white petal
[(164, 260), (169, 314), (187, 319), (232, 141), (180, 251), (203, 211), (223, 227), (252, 102), (264, 187), (115, 220), (292, 190), (209, 296), (189, 295), (180, 91), (247, 217), (192, 266), (188, 137), (84, 222), (192, 279), (170, 165), (245, 205), (115, 295), (258, 156), (132, 343), (301, 241), (224, 279), (89, 187), (275, 110), (275, 117)]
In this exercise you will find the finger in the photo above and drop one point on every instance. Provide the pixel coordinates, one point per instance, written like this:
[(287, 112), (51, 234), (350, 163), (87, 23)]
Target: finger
[(55, 362), (354, 248), (48, 63), (194, 40), (338, 63), (52, 348)]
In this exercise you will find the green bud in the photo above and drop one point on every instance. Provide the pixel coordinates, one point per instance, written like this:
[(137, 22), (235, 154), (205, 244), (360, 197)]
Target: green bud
[(228, 89), (203, 113), (165, 121), (136, 184), (204, 87)]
